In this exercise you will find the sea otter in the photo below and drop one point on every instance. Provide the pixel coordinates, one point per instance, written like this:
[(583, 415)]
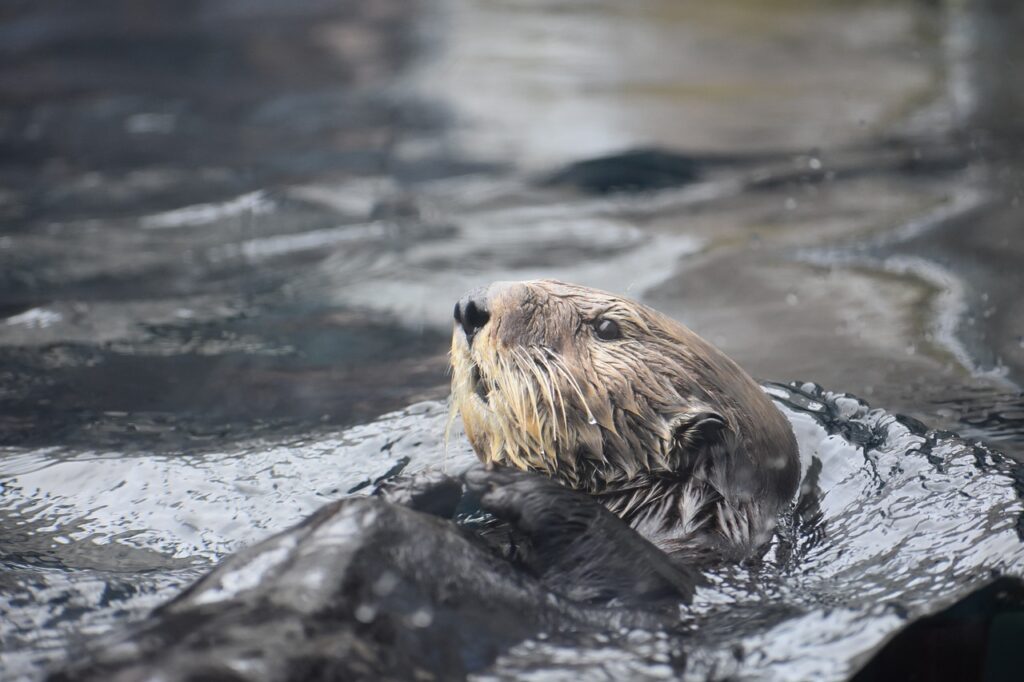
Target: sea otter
[(610, 397), (623, 435)]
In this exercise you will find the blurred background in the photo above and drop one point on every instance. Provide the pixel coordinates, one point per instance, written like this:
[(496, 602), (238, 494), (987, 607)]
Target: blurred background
[(231, 229), (219, 217), (223, 217)]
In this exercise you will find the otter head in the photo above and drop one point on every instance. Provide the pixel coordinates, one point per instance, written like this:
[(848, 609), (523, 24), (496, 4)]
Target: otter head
[(599, 392)]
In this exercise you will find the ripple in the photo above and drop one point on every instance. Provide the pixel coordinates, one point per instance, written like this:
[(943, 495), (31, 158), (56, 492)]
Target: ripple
[(894, 522)]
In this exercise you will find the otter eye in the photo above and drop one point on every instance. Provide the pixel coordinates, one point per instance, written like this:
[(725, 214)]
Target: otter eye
[(607, 330)]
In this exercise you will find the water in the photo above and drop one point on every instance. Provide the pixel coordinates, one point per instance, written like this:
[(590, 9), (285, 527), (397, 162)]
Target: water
[(94, 538), (233, 231), (895, 523)]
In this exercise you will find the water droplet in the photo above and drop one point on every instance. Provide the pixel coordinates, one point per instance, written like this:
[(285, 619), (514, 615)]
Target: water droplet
[(385, 584), (365, 613), (421, 618), (591, 420), (814, 164)]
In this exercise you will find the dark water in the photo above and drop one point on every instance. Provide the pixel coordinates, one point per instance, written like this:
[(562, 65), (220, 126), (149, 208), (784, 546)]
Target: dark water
[(229, 231)]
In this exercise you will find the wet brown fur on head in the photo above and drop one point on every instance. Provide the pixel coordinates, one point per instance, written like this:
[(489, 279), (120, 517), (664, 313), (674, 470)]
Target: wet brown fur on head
[(538, 389)]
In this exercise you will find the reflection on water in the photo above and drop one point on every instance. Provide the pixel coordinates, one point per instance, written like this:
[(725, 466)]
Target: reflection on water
[(93, 538), (543, 85), (893, 523), (229, 230)]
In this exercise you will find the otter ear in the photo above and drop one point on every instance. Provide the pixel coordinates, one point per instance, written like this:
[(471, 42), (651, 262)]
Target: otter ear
[(700, 430), (709, 450)]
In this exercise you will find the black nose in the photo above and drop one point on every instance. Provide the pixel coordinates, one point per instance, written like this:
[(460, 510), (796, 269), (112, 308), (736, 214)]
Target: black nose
[(471, 313)]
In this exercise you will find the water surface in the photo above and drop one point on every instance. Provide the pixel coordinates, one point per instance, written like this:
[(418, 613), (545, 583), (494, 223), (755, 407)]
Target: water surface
[(229, 232)]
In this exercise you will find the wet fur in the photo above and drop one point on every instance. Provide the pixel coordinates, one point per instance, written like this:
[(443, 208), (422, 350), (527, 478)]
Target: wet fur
[(575, 546), (665, 429)]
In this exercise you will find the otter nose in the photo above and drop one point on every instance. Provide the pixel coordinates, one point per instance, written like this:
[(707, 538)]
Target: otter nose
[(471, 313)]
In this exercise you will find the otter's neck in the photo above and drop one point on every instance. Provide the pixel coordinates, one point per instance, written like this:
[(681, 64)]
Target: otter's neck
[(690, 517)]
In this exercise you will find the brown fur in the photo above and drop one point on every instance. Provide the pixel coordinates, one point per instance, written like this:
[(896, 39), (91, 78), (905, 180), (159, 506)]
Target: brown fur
[(669, 432)]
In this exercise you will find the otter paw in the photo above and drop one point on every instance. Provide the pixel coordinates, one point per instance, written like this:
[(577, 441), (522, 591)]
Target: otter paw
[(532, 502), (431, 492), (577, 547)]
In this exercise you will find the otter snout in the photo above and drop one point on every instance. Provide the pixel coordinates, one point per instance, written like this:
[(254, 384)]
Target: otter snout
[(472, 313)]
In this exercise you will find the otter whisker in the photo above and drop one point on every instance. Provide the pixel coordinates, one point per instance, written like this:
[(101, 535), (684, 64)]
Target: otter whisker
[(524, 443), (557, 363), (516, 397), (560, 431), (561, 398), (545, 374), (530, 365), (535, 427)]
